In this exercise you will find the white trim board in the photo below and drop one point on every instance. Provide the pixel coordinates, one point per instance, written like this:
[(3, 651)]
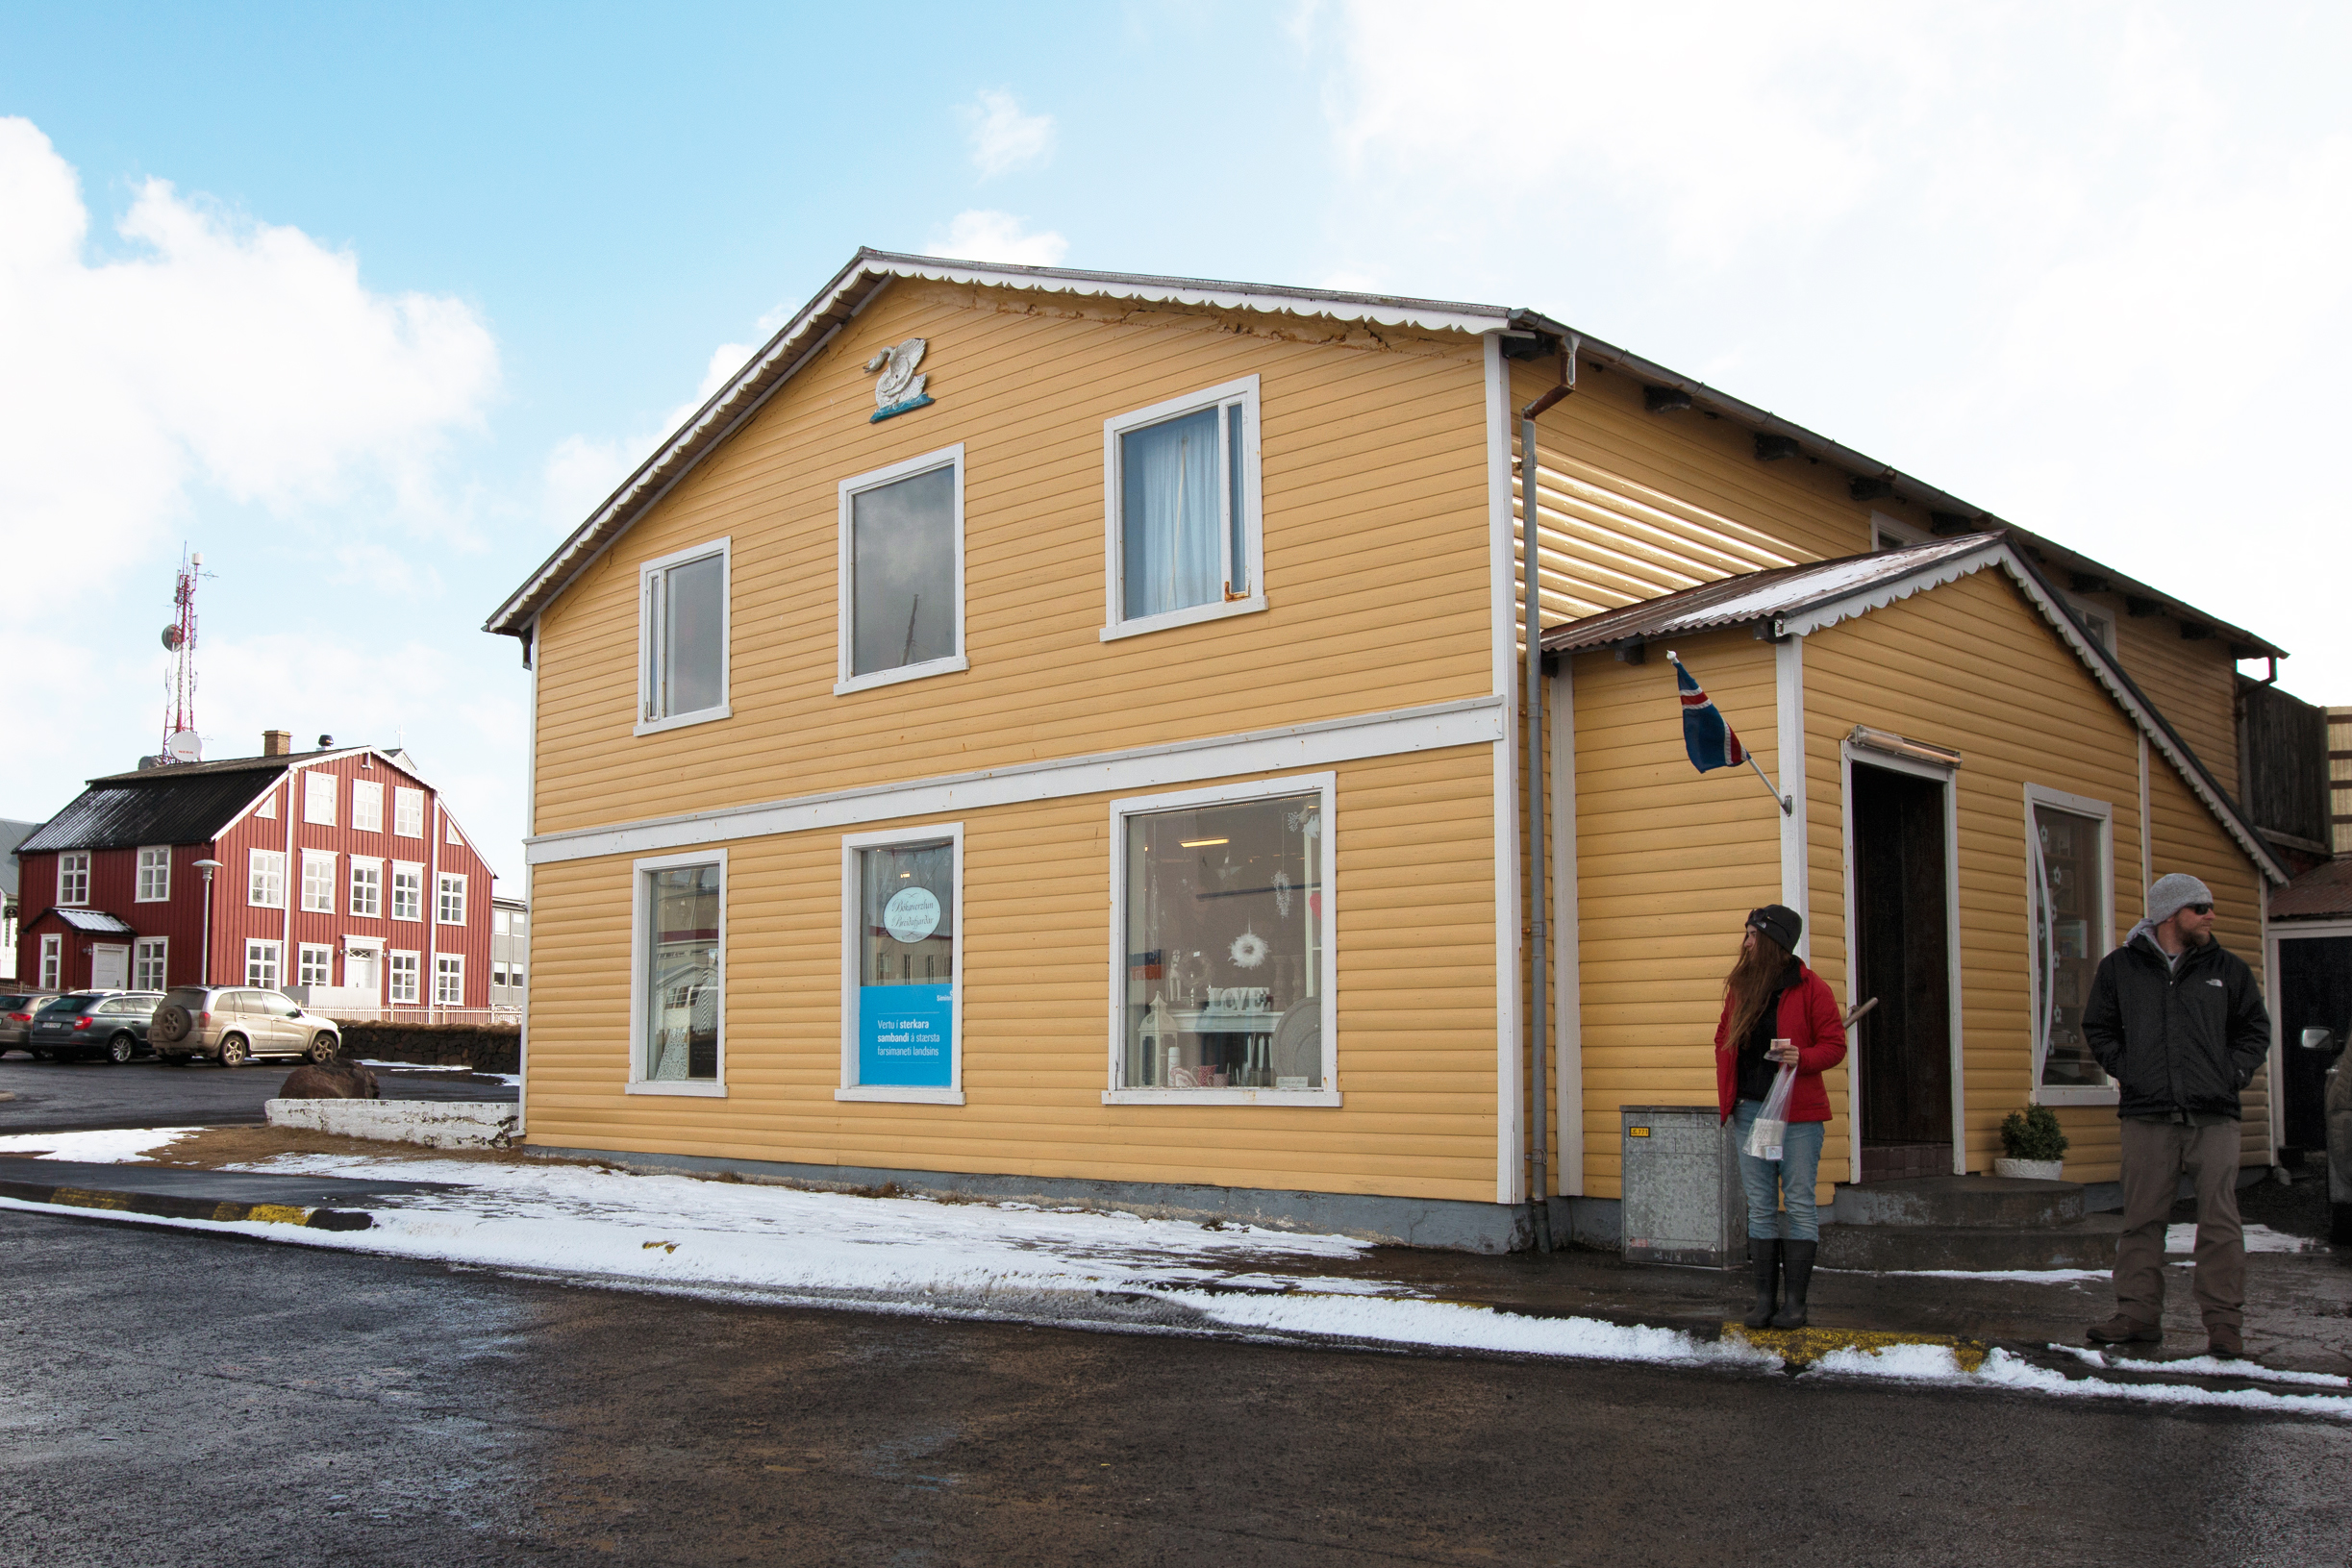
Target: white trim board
[(1567, 985), (1510, 1070), (1471, 721)]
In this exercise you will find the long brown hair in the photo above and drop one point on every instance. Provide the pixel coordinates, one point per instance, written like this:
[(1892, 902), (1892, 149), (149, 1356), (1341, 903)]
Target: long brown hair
[(1749, 985)]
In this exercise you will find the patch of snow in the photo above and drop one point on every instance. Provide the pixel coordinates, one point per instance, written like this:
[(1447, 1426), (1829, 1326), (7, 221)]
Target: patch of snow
[(2012, 1372), (414, 1066), (2036, 1277), (1458, 1326), (2259, 1238), (2225, 1367), (112, 1146), (1910, 1363)]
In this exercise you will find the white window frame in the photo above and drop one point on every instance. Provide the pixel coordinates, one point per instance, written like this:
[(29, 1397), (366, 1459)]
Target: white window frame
[(360, 864), (1116, 623), (324, 903), (1904, 534), (392, 978), (320, 805), (73, 879), (2037, 1017), (402, 798), (269, 804), (648, 634), (146, 951), (303, 952), (844, 622), (852, 895), (154, 885), (273, 952), (414, 870), (1325, 787), (640, 925), (371, 793), (441, 885), (262, 868), (53, 962), (444, 965), (2085, 613)]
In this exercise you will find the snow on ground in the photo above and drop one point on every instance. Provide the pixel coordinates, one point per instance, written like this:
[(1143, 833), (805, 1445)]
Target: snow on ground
[(2031, 1276), (112, 1146), (2259, 1238)]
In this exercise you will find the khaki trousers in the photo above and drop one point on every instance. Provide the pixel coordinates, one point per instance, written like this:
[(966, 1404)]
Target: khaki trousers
[(2155, 1154)]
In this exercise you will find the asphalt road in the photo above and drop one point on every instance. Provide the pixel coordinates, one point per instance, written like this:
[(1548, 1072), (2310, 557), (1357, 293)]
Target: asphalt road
[(60, 1096), (171, 1398)]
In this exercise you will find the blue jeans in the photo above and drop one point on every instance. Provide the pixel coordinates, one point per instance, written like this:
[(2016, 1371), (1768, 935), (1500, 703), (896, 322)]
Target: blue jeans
[(1788, 1179)]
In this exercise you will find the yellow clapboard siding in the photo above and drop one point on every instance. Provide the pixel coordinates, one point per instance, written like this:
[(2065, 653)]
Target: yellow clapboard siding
[(1415, 994), (1375, 504)]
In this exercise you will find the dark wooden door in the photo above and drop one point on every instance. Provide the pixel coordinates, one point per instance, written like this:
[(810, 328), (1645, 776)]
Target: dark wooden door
[(2314, 992), (1903, 957)]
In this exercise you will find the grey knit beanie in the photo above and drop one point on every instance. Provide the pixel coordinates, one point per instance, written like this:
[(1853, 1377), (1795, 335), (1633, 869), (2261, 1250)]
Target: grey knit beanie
[(2172, 892)]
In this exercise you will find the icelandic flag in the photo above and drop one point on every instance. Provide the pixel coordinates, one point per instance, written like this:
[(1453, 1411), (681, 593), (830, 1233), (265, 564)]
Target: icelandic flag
[(1706, 735)]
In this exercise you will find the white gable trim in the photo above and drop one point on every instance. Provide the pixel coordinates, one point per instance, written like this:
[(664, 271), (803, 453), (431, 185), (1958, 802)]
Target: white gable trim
[(2097, 659)]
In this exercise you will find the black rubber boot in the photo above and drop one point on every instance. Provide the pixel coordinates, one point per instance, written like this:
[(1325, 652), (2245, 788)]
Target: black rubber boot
[(1798, 1256), (1763, 1256)]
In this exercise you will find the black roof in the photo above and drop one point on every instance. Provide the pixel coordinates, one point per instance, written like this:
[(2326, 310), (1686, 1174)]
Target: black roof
[(184, 804)]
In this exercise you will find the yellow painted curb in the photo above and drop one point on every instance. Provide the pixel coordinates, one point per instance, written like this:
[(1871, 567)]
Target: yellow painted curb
[(1802, 1347)]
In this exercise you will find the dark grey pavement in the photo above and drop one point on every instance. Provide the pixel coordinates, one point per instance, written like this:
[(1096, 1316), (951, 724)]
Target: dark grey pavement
[(64, 1096), (176, 1399), (218, 1186)]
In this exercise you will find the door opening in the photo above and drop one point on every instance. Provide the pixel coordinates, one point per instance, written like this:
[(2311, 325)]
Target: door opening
[(1902, 956), (2314, 993), (109, 967)]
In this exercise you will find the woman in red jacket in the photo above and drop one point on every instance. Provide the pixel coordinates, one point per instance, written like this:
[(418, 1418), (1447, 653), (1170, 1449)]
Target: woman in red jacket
[(1776, 1011)]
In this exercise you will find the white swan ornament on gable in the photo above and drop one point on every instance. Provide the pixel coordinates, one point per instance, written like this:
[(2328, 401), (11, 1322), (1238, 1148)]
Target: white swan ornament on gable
[(899, 389)]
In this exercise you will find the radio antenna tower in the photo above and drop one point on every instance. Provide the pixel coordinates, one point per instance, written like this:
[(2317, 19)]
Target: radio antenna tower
[(180, 741)]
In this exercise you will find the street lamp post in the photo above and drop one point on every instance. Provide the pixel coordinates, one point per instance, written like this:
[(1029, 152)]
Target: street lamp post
[(204, 959)]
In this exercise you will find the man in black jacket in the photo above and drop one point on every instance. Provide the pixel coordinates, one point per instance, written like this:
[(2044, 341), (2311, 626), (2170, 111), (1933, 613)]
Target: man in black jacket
[(2178, 1022)]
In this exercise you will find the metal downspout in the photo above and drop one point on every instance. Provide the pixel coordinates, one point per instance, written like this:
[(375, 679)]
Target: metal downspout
[(1538, 1031)]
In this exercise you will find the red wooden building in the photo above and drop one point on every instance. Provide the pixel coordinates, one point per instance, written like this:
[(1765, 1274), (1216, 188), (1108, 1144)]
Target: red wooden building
[(340, 870)]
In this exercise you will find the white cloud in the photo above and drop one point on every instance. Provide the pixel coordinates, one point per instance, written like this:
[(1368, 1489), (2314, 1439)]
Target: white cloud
[(2080, 265), (1002, 138), (243, 357), (581, 471), (983, 236)]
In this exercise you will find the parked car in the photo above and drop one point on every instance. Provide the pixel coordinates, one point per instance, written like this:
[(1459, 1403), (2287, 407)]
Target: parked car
[(109, 1023), (17, 1010), (235, 1024)]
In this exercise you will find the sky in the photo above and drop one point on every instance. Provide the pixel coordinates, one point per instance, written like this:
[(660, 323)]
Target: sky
[(371, 305)]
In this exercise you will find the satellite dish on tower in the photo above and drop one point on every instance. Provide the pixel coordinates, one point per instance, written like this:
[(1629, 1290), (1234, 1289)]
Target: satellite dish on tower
[(183, 746), (173, 637)]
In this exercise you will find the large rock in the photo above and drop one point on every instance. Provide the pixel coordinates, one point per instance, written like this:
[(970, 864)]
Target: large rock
[(338, 1078)]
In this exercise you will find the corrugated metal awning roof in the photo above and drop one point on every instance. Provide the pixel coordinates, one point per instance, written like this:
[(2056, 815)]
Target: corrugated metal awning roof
[(1771, 596), (96, 921), (2321, 893)]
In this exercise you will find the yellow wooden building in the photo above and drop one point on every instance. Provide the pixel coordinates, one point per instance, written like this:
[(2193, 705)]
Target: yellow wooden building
[(1061, 735)]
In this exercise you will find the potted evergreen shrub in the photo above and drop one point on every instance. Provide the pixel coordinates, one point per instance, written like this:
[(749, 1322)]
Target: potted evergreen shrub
[(2033, 1143)]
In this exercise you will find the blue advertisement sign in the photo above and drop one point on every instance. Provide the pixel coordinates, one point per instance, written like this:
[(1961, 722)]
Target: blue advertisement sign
[(906, 1035)]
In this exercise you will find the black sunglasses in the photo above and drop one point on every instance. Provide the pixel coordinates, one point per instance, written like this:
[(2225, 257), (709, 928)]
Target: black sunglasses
[(2198, 909)]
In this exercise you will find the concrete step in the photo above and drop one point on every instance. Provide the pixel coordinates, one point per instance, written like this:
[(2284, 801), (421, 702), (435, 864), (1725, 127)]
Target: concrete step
[(1989, 1203), (2086, 1244)]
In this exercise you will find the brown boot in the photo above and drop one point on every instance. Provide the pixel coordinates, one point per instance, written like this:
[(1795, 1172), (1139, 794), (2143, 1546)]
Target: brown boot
[(2126, 1331), (2220, 1339)]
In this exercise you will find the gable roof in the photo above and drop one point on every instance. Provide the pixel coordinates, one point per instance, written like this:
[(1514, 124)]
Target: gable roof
[(187, 802), (11, 834), (1792, 601), (870, 271)]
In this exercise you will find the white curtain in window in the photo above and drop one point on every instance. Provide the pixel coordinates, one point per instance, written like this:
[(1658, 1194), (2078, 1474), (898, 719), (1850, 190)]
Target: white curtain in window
[(1171, 520)]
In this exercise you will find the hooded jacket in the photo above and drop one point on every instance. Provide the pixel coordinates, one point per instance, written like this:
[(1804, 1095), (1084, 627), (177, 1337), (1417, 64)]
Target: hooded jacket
[(2183, 1038)]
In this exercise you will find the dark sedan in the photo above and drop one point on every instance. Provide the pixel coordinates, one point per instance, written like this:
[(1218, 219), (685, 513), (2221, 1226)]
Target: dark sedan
[(107, 1024)]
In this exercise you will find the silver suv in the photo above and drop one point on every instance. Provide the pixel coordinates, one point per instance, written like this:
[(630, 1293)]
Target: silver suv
[(235, 1024)]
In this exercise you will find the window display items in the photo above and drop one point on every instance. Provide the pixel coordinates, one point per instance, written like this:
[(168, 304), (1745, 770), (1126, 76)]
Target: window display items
[(1223, 977), (681, 974), (906, 969)]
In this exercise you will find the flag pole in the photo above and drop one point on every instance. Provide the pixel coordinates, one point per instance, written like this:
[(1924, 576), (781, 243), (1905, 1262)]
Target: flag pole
[(1788, 807)]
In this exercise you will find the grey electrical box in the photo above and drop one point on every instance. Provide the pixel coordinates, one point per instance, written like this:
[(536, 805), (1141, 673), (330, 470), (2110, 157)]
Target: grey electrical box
[(1682, 1201)]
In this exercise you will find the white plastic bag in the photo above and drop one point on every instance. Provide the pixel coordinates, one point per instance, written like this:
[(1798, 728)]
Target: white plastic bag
[(1772, 1129)]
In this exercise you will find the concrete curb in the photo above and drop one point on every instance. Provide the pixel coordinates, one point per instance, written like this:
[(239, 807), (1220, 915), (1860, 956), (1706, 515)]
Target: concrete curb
[(162, 1206), (435, 1124)]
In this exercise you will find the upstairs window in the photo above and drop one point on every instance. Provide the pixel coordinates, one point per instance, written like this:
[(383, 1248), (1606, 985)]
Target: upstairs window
[(902, 572), (268, 807), (265, 878), (682, 638), (366, 887), (318, 883), (153, 875), (367, 804), (408, 891), (318, 798), (73, 879), (408, 813), (451, 908), (1182, 495)]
